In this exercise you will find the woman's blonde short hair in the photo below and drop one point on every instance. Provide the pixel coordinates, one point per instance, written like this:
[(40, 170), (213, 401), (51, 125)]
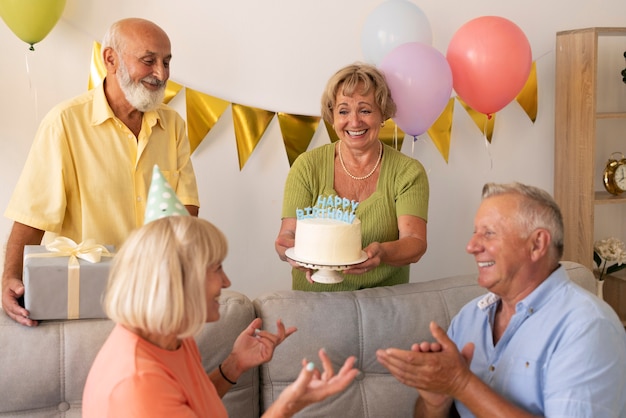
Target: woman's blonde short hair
[(157, 281), (349, 78)]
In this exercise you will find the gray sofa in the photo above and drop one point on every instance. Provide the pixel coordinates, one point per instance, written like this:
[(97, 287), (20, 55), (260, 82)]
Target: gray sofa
[(43, 369)]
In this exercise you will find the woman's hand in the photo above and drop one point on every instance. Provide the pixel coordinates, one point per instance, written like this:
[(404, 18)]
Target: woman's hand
[(254, 347), (374, 253), (286, 238), (311, 386)]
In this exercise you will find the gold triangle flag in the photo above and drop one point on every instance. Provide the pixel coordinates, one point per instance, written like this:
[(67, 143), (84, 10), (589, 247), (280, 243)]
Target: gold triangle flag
[(441, 130), (484, 122), (297, 133), (250, 123), (172, 88), (331, 132), (203, 112), (97, 72), (528, 96), (391, 134)]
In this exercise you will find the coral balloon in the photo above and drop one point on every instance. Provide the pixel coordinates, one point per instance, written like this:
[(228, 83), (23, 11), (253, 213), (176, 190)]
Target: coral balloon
[(420, 81), (31, 20), (490, 58), (392, 24)]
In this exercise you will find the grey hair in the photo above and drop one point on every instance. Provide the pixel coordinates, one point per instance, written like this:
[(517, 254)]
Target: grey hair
[(113, 38), (537, 210)]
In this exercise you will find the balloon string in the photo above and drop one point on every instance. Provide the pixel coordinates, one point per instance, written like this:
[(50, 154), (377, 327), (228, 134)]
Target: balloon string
[(32, 89), (487, 144), (415, 138), (395, 136)]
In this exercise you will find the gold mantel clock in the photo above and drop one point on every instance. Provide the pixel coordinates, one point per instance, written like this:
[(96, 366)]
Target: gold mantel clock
[(614, 175)]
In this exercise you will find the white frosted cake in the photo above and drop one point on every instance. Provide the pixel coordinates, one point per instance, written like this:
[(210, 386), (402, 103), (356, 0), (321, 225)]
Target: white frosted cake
[(327, 241)]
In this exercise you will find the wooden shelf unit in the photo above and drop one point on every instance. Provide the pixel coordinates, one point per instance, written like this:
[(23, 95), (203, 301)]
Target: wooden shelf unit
[(576, 114)]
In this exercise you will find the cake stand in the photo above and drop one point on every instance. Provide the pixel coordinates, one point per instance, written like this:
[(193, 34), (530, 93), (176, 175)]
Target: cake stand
[(326, 273)]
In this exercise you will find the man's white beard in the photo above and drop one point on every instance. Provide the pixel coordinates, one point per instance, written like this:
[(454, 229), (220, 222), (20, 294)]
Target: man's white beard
[(137, 94)]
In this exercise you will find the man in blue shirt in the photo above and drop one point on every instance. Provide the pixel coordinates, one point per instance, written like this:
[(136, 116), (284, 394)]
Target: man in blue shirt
[(537, 344)]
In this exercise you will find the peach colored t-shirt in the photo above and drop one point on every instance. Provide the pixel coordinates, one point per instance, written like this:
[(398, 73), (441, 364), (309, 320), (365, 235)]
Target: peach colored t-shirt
[(131, 377)]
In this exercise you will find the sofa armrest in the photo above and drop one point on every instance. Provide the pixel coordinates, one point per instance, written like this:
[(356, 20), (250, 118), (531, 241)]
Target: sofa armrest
[(580, 275), (44, 368), (215, 342)]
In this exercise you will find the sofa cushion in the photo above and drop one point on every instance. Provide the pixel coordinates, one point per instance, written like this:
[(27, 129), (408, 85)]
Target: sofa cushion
[(43, 369), (358, 323)]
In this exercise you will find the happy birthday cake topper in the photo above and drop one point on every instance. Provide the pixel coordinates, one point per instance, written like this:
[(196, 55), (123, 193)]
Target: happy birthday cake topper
[(330, 207), (162, 199)]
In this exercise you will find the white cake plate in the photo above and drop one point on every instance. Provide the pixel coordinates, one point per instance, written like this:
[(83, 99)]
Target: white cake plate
[(326, 273)]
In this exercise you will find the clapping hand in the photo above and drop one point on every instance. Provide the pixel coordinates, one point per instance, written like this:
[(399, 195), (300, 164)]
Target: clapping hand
[(313, 386)]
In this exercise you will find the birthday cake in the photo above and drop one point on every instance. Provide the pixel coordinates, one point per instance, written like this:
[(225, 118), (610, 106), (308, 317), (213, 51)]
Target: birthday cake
[(329, 233)]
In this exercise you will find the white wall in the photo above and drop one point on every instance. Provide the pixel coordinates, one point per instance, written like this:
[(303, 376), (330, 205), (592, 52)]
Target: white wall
[(277, 55)]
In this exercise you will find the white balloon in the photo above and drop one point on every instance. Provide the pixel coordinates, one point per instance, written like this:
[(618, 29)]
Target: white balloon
[(392, 24)]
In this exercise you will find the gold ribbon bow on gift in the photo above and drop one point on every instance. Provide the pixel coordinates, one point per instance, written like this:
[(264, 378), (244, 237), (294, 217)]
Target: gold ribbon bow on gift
[(87, 250)]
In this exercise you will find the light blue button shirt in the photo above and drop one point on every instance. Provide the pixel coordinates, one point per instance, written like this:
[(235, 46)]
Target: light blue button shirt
[(563, 353)]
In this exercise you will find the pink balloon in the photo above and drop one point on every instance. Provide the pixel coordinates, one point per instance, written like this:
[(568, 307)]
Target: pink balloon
[(420, 81), (490, 58)]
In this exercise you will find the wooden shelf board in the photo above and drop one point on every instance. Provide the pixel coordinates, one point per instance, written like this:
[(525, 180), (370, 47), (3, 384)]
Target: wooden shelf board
[(611, 115), (605, 198)]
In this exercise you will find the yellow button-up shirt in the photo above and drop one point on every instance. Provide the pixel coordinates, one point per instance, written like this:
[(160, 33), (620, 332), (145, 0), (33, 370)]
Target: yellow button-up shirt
[(87, 176)]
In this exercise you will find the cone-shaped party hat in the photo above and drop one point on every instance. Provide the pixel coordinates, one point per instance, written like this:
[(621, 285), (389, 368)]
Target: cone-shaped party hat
[(162, 200)]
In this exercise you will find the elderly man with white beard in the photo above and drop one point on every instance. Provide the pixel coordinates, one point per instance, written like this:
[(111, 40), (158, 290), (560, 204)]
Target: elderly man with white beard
[(90, 165)]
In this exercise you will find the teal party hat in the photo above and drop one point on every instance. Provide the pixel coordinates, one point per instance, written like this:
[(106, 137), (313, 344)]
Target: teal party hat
[(162, 200)]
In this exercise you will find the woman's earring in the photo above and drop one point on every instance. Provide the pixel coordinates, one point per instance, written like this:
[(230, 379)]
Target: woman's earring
[(382, 124)]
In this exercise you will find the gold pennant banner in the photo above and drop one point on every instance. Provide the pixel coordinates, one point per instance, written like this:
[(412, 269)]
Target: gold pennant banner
[(391, 134), (331, 132), (528, 96), (97, 72), (297, 131), (172, 88), (484, 122), (250, 123), (203, 112), (441, 131)]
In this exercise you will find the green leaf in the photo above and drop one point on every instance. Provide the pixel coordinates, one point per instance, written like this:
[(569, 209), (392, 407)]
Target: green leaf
[(597, 259), (614, 268)]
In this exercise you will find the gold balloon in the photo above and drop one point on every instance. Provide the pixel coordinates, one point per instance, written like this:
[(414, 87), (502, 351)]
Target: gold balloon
[(31, 20)]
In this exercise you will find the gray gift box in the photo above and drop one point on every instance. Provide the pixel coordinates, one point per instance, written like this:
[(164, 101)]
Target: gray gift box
[(46, 285)]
